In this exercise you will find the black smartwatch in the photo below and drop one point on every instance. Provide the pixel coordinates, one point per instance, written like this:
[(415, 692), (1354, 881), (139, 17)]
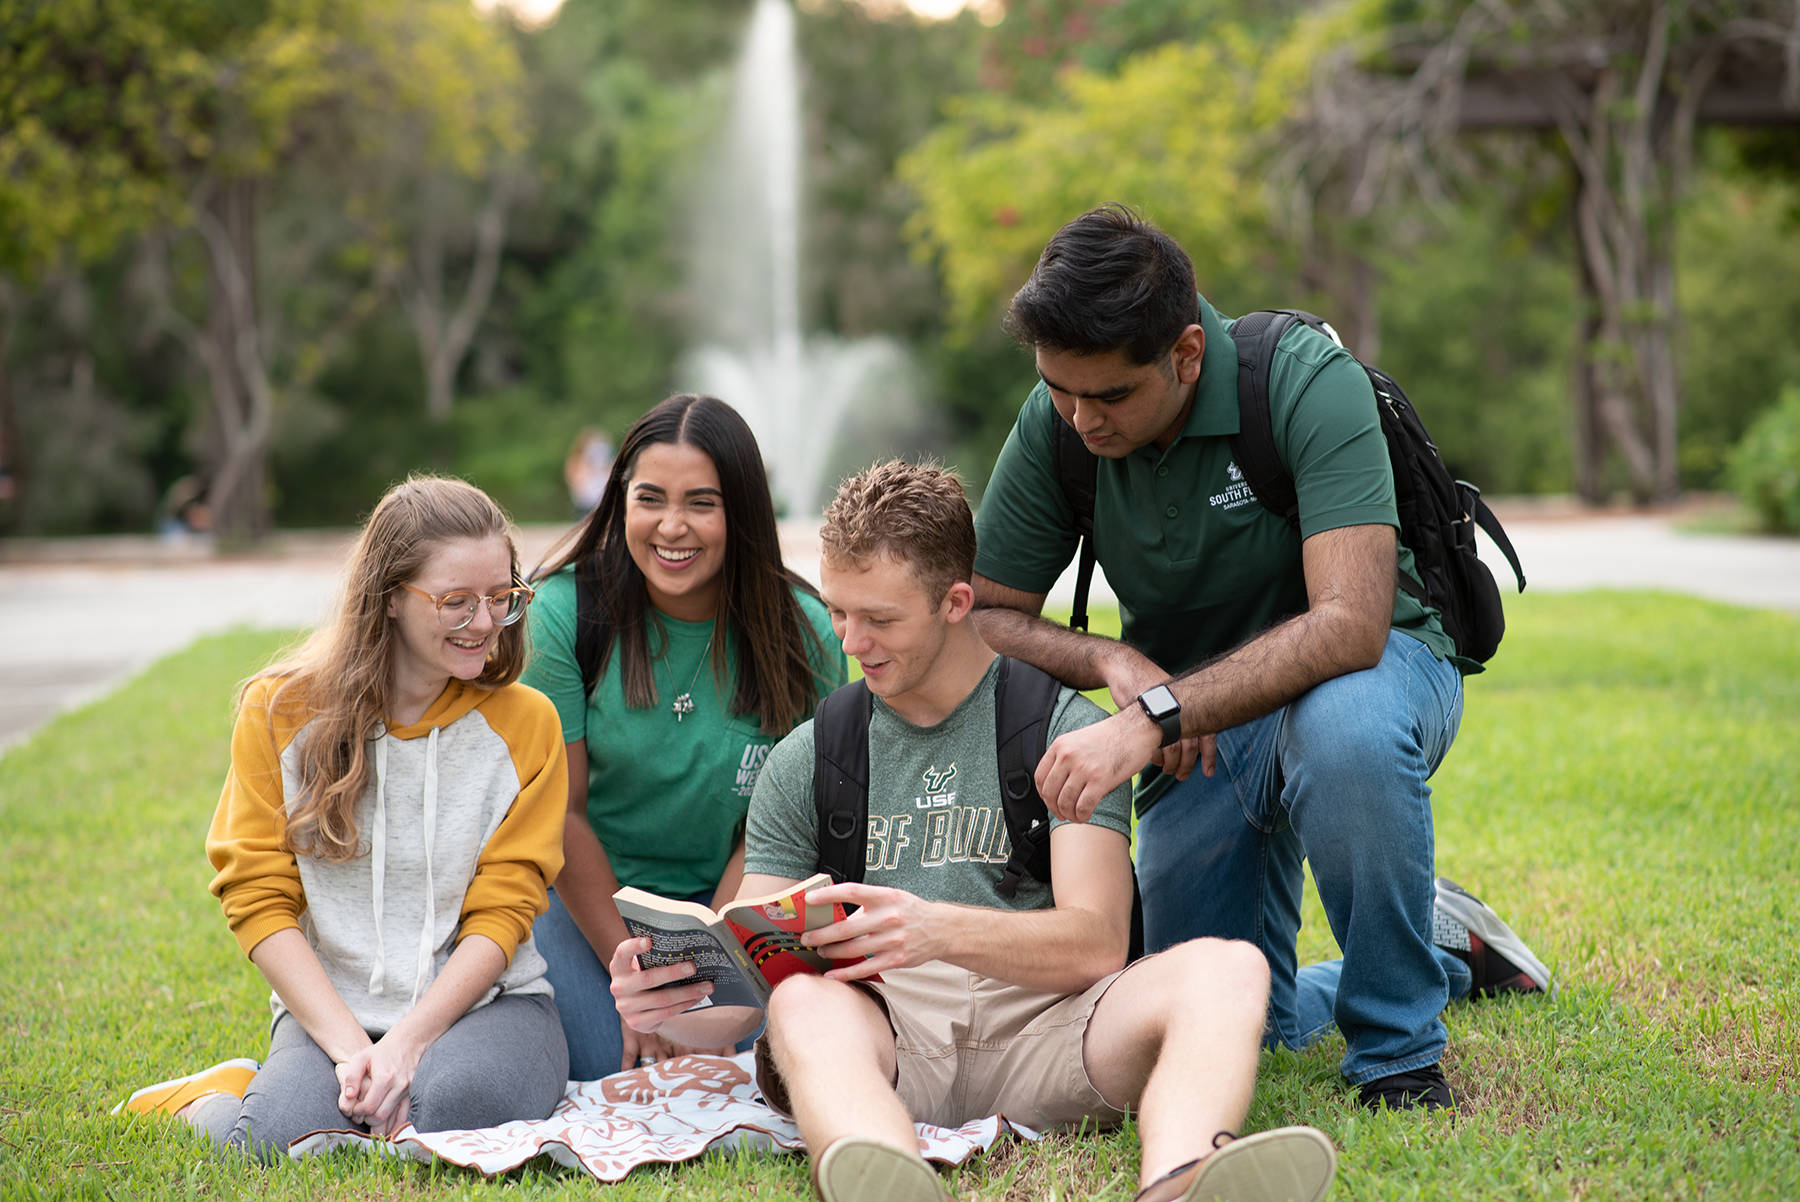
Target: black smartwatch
[(1160, 704)]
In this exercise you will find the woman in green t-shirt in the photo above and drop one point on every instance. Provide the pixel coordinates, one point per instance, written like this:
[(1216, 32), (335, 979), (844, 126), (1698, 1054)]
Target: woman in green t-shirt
[(701, 651)]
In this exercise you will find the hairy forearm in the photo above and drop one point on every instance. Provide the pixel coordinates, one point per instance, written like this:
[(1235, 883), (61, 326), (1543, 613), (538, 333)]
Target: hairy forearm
[(1072, 656), (1262, 675), (1350, 602)]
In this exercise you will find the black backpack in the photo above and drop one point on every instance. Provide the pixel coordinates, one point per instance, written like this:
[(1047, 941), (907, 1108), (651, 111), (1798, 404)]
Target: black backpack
[(1024, 703), (1438, 513)]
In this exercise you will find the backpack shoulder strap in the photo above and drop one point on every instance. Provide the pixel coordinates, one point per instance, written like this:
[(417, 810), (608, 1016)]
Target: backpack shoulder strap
[(1076, 471), (1256, 335), (1484, 517), (841, 780), (592, 635), (1024, 702)]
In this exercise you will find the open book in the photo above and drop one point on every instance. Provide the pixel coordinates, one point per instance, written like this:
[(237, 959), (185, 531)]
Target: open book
[(745, 949)]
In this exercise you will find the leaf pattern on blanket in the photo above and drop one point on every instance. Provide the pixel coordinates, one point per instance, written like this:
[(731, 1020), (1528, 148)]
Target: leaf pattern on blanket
[(659, 1114)]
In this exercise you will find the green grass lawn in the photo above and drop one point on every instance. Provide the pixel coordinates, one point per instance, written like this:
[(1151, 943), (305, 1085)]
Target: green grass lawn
[(1624, 791)]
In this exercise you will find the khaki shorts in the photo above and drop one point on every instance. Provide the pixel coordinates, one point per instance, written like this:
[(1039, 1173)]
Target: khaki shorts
[(968, 1046)]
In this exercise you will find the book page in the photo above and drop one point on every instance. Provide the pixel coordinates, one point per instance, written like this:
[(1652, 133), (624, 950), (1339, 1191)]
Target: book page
[(676, 939)]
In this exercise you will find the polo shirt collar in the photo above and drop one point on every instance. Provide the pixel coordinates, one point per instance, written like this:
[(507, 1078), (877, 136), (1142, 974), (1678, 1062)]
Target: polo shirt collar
[(1215, 410)]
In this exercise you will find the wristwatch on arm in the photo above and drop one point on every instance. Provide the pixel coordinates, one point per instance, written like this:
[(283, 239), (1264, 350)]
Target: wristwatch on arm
[(1160, 706)]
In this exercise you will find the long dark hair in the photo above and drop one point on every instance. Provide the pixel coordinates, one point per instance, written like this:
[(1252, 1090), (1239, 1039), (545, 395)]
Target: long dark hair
[(776, 679)]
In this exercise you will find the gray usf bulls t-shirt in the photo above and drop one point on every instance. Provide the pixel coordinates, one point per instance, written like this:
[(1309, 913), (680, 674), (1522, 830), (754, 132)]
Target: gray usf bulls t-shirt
[(936, 825)]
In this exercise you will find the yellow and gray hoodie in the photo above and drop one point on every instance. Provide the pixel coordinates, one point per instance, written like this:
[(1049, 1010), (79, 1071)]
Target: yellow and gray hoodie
[(461, 832)]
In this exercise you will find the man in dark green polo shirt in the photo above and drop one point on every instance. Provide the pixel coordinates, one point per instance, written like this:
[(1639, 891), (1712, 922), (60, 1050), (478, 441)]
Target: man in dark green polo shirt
[(1315, 698)]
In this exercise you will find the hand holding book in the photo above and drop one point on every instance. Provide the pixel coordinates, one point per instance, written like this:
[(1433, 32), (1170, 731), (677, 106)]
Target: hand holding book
[(743, 950)]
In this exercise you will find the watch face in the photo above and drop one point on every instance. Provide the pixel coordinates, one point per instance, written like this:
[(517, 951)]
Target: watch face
[(1159, 702), (1160, 705)]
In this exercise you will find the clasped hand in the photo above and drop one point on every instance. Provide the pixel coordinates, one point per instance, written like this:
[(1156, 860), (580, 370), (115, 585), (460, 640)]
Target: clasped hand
[(374, 1085)]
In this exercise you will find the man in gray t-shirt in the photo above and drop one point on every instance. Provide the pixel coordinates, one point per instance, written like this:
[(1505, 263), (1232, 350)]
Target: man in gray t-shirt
[(956, 1001)]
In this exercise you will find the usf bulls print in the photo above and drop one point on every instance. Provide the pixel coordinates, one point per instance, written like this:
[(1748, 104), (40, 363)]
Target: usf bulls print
[(938, 830)]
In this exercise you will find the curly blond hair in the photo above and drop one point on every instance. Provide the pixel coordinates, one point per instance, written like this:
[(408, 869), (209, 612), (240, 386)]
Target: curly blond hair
[(916, 512)]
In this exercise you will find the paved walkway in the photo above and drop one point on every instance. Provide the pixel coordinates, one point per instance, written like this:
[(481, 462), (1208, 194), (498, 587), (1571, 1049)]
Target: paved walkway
[(87, 614)]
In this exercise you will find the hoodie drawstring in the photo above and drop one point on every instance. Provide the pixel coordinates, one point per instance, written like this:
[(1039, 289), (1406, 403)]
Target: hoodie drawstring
[(378, 863), (428, 933)]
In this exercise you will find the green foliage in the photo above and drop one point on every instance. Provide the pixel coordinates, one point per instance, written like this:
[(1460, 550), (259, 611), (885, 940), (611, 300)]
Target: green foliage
[(1765, 465), (98, 118), (1484, 353), (998, 175), (1622, 789), (512, 444), (874, 86), (1739, 279)]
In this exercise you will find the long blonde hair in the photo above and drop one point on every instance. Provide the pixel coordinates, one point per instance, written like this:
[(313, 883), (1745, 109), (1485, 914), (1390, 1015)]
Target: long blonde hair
[(338, 677)]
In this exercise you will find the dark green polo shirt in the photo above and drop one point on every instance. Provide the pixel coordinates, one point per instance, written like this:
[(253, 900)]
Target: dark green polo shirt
[(1198, 564)]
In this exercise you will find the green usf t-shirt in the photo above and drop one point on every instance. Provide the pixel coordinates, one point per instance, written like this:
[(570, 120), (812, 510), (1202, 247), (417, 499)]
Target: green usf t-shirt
[(937, 828), (665, 796), (1198, 564)]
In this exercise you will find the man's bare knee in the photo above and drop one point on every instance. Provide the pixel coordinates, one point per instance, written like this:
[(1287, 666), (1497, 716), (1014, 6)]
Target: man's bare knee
[(1228, 965), (1169, 983), (829, 1017)]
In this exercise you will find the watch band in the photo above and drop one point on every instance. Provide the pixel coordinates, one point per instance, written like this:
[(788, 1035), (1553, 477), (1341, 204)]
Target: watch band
[(1160, 706)]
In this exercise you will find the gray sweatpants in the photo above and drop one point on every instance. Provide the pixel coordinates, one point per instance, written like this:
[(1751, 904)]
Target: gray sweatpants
[(506, 1060)]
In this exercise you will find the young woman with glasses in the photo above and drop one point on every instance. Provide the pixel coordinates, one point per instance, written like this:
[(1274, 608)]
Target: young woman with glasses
[(707, 651), (384, 841)]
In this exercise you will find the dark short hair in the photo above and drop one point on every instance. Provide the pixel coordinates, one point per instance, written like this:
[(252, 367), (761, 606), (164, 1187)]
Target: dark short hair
[(1108, 281)]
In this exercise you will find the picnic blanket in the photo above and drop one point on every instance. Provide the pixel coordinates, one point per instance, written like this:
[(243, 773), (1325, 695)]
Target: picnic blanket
[(662, 1113)]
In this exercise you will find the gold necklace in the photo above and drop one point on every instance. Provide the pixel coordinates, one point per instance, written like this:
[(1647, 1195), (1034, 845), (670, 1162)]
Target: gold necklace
[(683, 704)]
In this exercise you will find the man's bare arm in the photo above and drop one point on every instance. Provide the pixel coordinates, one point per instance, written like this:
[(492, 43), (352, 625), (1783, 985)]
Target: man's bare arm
[(1350, 603), (1010, 622), (1350, 576), (1063, 949)]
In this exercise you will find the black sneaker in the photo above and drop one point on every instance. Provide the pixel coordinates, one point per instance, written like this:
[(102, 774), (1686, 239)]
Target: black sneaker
[(1421, 1089), (1498, 959)]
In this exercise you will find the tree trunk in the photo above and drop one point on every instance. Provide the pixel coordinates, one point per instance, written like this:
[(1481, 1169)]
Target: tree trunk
[(243, 401), (444, 334), (1589, 458), (1618, 139), (12, 459)]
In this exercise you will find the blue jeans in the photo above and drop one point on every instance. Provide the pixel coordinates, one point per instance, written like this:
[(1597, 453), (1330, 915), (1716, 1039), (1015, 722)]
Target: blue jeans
[(1337, 778), (584, 997)]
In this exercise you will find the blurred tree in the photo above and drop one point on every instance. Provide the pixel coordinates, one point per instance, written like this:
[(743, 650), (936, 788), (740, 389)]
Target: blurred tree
[(874, 85), (1623, 84), (621, 97), (1738, 270), (1176, 132), (204, 111)]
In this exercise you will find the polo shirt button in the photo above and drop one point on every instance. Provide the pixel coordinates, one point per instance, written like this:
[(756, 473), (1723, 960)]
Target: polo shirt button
[(1163, 470), (1172, 511)]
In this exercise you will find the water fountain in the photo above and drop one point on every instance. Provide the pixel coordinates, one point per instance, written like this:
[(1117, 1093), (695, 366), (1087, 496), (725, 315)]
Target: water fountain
[(744, 273)]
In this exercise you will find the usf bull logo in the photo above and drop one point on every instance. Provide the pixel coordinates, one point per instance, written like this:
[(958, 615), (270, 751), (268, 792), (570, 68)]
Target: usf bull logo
[(938, 782)]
